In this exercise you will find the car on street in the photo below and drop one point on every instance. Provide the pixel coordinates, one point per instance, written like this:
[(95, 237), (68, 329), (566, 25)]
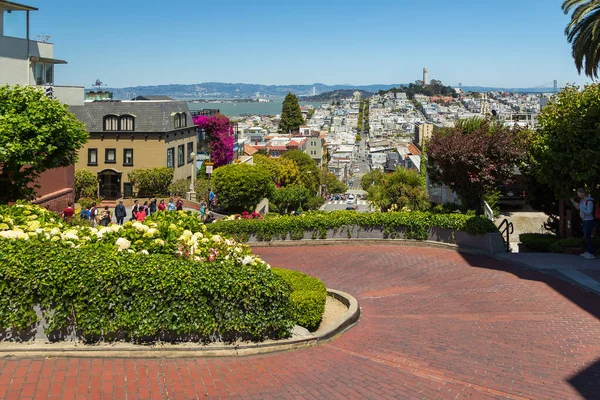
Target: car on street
[(351, 208), (350, 199)]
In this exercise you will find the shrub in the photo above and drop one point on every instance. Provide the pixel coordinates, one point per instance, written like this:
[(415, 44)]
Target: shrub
[(574, 242), (151, 181), (539, 242), (241, 187), (179, 188), (308, 297), (110, 295), (86, 184)]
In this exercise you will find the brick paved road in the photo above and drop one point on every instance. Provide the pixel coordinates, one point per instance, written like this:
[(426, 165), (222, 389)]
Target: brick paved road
[(435, 325)]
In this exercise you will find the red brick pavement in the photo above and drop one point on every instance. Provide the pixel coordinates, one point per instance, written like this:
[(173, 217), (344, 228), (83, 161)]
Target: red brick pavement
[(436, 324)]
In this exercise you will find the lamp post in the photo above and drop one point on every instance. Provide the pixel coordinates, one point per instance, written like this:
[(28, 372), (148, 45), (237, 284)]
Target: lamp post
[(209, 170), (192, 193)]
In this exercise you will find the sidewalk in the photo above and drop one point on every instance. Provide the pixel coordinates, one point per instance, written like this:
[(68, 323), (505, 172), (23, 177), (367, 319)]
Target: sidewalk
[(571, 268)]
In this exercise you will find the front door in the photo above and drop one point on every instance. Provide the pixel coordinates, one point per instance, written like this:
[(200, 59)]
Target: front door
[(110, 184)]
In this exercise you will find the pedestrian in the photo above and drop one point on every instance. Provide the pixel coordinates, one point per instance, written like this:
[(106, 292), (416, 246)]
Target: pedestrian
[(120, 212), (162, 205), (68, 212), (146, 208), (134, 210), (179, 204), (202, 210), (210, 218), (586, 212), (85, 213), (105, 217), (94, 215), (141, 214), (152, 206), (171, 205)]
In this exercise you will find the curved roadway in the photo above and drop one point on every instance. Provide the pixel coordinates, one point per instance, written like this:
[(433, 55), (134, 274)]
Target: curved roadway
[(435, 324)]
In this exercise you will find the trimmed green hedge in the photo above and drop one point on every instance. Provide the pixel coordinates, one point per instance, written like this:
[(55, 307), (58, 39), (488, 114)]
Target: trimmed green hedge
[(110, 295), (415, 224), (538, 242), (308, 297)]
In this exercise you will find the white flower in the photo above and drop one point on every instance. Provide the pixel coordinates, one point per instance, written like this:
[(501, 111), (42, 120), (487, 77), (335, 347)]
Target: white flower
[(144, 252), (70, 235), (123, 243), (159, 242), (116, 227), (217, 238), (9, 234), (198, 235), (140, 227), (247, 260), (54, 231)]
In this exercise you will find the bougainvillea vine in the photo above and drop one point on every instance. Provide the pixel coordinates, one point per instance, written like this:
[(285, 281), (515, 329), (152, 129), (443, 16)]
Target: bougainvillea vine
[(219, 130)]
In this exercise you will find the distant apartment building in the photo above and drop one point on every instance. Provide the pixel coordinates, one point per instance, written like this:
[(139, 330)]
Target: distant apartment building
[(128, 135), (29, 62), (423, 132)]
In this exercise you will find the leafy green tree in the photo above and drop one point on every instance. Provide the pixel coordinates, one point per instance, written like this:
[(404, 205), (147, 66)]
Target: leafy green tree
[(151, 181), (86, 184), (474, 158), (240, 187), (332, 183), (291, 115), (289, 172), (582, 33), (309, 172), (268, 164), (403, 188), (371, 179), (565, 152), (36, 134), (291, 198)]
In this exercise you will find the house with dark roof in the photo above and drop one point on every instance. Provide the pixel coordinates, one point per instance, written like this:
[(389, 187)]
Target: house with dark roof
[(128, 135)]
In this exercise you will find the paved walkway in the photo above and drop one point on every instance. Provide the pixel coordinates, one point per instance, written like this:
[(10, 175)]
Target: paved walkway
[(436, 324)]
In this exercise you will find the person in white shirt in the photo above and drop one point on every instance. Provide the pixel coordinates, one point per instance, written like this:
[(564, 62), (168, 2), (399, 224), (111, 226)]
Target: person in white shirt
[(586, 212)]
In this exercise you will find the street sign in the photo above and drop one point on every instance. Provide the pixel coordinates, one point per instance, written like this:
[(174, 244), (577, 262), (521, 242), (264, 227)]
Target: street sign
[(209, 169)]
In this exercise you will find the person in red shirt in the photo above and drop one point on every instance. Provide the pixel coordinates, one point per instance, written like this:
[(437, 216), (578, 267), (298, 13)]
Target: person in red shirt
[(161, 205), (141, 214), (68, 212)]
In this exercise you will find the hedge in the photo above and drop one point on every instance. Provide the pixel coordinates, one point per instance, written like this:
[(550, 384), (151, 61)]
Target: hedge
[(550, 243), (415, 224), (119, 295), (308, 297)]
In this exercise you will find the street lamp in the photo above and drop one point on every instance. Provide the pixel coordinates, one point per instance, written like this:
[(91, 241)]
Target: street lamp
[(192, 193), (209, 170)]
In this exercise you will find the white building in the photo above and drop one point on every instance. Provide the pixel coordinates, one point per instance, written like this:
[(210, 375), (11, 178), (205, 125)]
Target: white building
[(29, 62)]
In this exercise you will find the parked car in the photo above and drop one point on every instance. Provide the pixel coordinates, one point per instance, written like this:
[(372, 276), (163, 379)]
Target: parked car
[(512, 194)]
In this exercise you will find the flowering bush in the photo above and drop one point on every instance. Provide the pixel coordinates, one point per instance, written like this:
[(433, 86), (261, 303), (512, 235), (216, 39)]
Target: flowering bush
[(218, 128), (244, 215)]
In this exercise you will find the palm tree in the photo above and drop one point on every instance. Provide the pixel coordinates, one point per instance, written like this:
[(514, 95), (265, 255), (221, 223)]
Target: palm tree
[(583, 32)]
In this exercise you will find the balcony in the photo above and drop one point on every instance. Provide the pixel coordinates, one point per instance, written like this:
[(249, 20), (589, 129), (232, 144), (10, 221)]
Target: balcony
[(69, 95)]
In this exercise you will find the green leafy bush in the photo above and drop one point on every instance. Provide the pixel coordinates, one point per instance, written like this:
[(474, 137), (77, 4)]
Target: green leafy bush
[(574, 242), (119, 295), (539, 242), (86, 184), (308, 297), (415, 224), (151, 181), (241, 187)]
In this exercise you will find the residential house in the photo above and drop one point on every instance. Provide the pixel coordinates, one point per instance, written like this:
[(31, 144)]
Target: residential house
[(29, 62), (128, 135)]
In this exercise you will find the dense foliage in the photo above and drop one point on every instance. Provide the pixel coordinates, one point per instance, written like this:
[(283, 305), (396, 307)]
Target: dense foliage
[(86, 184), (181, 186), (36, 134), (219, 131), (308, 297), (474, 158), (332, 183), (291, 115), (309, 176), (372, 178), (241, 187), (566, 147), (414, 224), (546, 242), (151, 181), (582, 34), (434, 88), (399, 190)]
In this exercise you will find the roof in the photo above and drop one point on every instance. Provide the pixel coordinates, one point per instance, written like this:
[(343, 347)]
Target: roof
[(149, 116), (277, 148), (250, 150), (416, 160), (9, 5), (293, 143), (414, 150), (138, 98)]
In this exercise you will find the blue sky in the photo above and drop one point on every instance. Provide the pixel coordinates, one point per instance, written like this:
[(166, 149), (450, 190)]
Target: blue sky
[(512, 43)]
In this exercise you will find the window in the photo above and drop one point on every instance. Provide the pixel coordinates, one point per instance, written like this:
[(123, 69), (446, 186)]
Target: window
[(126, 122), (183, 120), (111, 123), (111, 156), (171, 157), (127, 189), (128, 157), (92, 156), (190, 150), (43, 73), (180, 120), (180, 155)]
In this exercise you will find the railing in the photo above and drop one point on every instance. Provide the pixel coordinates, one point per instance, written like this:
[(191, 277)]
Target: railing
[(506, 229), (489, 213)]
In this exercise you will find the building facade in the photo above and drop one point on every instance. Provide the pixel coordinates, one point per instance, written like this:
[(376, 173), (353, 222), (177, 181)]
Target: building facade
[(29, 62), (128, 135)]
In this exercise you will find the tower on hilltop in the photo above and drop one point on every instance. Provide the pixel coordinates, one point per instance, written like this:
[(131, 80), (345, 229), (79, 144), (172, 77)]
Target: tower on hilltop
[(425, 76)]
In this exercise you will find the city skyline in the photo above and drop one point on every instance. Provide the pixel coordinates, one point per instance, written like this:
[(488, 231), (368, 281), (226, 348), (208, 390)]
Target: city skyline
[(273, 43)]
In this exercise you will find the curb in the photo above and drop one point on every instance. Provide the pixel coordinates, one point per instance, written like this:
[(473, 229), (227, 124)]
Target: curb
[(162, 350)]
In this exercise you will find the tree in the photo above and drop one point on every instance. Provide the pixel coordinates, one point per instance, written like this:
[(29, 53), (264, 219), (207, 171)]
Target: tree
[(36, 134), (371, 179), (86, 184), (582, 33), (401, 189), (289, 173), (474, 158), (332, 183), (151, 181), (291, 115), (291, 198), (566, 150), (220, 133), (240, 187), (309, 173)]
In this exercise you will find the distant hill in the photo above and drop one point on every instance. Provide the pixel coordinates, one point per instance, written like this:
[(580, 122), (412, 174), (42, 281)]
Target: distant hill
[(336, 95), (218, 90)]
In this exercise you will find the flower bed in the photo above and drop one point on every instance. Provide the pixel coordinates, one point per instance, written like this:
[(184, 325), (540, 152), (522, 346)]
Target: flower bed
[(163, 279)]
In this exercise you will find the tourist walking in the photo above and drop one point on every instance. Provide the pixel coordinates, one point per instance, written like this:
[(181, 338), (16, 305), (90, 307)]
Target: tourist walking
[(171, 205), (134, 210), (162, 206), (120, 212), (141, 214), (179, 204), (586, 212), (202, 210), (105, 217), (145, 208), (84, 214), (94, 215), (152, 206), (68, 212)]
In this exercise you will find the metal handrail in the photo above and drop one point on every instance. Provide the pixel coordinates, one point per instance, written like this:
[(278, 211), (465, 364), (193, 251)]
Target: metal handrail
[(506, 228)]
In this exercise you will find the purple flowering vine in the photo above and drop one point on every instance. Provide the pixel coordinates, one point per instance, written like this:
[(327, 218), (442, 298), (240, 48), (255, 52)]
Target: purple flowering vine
[(220, 133)]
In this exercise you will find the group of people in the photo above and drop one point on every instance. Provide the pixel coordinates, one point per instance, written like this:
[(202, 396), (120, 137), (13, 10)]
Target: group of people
[(139, 212)]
